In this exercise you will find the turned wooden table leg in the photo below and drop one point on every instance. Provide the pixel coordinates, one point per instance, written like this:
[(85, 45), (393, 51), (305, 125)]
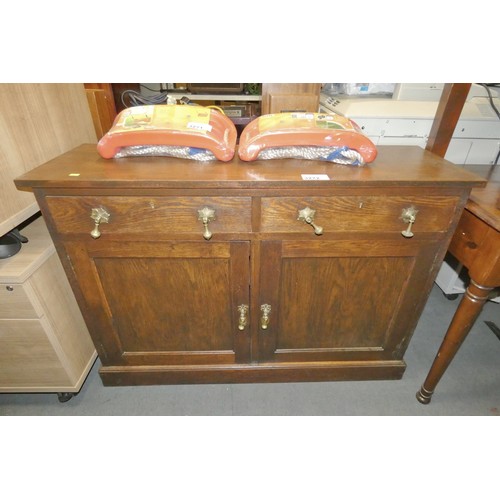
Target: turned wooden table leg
[(465, 316)]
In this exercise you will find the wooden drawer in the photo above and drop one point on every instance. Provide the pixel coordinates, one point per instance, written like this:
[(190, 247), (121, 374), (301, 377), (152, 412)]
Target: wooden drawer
[(357, 213), (14, 303), (468, 238), (150, 215), (27, 357)]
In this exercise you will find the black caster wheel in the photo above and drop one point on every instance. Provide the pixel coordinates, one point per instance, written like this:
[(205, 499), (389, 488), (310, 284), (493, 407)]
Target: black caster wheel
[(65, 396), (452, 296)]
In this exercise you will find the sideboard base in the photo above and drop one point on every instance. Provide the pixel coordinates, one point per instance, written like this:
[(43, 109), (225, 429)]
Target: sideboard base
[(234, 374)]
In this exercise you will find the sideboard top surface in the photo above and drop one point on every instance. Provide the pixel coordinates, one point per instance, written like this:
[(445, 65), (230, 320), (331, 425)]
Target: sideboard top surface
[(82, 168)]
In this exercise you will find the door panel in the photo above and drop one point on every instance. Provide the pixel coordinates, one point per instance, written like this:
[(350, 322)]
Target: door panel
[(165, 303), (167, 321), (340, 300), (322, 305)]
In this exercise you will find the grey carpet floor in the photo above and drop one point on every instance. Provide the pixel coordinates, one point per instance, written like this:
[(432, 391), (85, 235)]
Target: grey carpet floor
[(471, 386)]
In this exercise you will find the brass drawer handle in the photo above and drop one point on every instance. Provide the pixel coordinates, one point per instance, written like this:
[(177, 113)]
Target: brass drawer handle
[(206, 215), (99, 216), (242, 321), (307, 215), (264, 320), (409, 216)]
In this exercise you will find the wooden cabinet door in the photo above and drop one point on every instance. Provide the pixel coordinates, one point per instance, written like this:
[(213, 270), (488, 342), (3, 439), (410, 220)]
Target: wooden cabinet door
[(342, 300), (163, 303), (285, 103), (283, 97)]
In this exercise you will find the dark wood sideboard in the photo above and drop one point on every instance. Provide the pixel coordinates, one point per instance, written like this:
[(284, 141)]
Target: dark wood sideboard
[(251, 289)]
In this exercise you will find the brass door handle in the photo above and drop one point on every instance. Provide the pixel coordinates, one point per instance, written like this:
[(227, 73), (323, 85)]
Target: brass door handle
[(409, 216), (264, 319), (307, 215), (206, 215), (99, 216), (242, 321)]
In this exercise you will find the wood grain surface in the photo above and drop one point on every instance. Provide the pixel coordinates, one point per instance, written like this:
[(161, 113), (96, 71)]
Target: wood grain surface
[(37, 123)]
